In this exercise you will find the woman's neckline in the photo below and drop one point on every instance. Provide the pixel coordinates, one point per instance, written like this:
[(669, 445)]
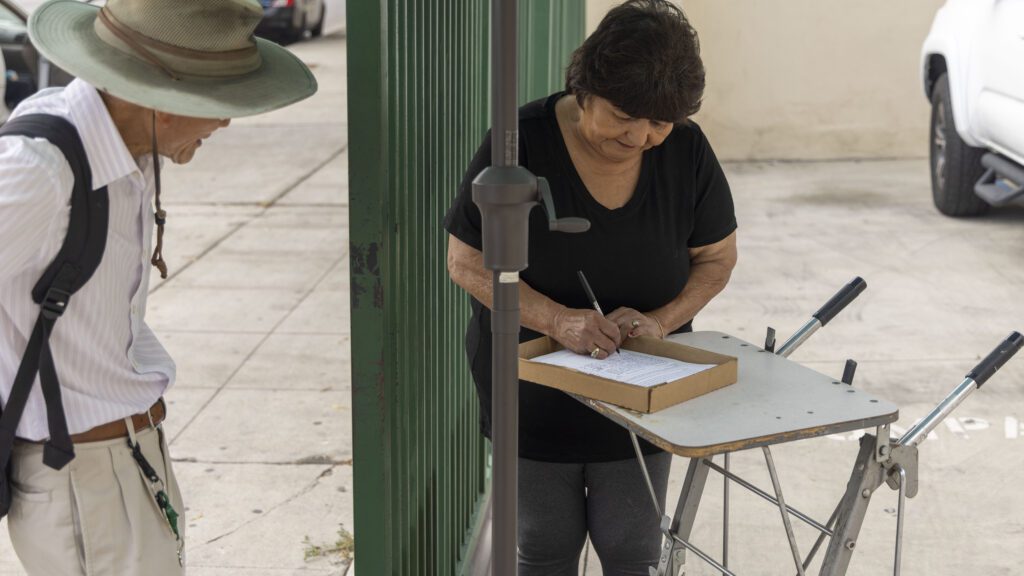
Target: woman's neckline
[(563, 149)]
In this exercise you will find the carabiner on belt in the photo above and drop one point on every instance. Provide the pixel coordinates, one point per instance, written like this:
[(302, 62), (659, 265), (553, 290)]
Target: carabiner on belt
[(156, 488)]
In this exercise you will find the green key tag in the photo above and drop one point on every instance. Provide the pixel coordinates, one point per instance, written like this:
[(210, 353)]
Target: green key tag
[(172, 516)]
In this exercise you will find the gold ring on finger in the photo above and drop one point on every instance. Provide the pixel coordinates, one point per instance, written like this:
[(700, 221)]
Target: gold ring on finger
[(636, 323), (595, 352)]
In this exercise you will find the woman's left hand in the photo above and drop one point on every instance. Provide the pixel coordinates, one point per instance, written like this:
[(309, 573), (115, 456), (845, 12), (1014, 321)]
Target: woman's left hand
[(633, 324)]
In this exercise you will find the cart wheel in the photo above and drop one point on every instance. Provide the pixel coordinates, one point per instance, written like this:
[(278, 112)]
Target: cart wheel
[(955, 166)]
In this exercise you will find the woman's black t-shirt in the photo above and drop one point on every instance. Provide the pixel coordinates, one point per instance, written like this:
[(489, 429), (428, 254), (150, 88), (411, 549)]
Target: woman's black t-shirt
[(635, 256)]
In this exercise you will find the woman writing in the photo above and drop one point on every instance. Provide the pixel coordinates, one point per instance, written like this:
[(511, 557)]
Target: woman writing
[(617, 149)]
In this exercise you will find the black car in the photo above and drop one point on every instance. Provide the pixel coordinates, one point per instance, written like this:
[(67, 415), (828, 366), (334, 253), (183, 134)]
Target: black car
[(25, 71), (290, 19)]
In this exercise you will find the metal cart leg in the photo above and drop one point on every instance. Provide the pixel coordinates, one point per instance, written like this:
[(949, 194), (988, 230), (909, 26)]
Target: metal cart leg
[(647, 475), (866, 477), (821, 537), (902, 475), (725, 514), (784, 511), (681, 524)]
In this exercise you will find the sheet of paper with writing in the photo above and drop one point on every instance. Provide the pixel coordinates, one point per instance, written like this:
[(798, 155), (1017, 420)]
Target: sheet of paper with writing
[(630, 367)]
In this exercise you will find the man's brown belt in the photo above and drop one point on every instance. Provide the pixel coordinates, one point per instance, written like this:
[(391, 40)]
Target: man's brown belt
[(118, 429)]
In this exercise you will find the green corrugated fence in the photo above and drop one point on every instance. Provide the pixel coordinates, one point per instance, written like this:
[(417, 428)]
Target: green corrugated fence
[(418, 89), (549, 30)]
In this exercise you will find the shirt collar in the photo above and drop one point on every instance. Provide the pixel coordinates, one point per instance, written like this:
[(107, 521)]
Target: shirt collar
[(109, 159)]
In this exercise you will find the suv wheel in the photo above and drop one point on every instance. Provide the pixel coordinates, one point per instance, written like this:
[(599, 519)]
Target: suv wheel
[(955, 166), (318, 30)]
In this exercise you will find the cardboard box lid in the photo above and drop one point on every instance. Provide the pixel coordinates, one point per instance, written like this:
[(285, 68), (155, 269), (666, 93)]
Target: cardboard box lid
[(634, 397)]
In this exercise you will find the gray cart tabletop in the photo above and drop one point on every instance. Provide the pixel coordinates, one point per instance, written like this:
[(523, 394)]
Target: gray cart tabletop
[(774, 400)]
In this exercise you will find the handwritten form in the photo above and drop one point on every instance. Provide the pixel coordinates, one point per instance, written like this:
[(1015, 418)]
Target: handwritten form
[(630, 367)]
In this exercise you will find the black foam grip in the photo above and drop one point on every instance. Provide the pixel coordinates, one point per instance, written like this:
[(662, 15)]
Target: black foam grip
[(996, 358), (845, 295)]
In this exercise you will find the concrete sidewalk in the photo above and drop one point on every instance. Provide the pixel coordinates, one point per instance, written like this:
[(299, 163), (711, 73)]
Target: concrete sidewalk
[(256, 315)]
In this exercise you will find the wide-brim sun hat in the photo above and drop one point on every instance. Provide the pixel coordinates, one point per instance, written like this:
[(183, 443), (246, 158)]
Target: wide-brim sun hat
[(195, 58)]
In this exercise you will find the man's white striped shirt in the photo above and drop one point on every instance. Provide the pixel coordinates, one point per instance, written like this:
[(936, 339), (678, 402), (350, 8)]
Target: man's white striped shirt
[(110, 364)]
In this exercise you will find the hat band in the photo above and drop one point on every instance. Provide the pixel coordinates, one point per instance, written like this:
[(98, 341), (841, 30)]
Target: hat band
[(173, 60)]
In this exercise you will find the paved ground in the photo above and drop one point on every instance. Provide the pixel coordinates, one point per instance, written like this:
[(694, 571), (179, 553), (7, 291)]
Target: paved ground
[(256, 315)]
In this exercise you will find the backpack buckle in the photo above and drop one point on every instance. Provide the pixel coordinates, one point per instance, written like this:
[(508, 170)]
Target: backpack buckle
[(54, 303)]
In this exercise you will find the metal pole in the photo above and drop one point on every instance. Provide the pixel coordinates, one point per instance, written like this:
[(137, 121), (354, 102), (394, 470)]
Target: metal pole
[(725, 514), (821, 537), (899, 520), (647, 476), (504, 111), (505, 432), (505, 309), (784, 510)]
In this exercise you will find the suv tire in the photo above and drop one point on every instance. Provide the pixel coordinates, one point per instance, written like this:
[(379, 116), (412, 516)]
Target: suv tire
[(955, 166), (318, 30)]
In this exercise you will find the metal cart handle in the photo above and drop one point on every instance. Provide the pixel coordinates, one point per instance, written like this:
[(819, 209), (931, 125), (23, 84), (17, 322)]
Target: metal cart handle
[(996, 358), (827, 312), (974, 379), (840, 300)]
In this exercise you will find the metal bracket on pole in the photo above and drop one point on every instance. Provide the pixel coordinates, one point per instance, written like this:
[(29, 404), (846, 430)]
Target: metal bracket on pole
[(882, 447), (505, 196), (902, 458)]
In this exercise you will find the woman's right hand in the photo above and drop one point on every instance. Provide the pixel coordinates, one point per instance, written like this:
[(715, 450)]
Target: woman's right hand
[(583, 331)]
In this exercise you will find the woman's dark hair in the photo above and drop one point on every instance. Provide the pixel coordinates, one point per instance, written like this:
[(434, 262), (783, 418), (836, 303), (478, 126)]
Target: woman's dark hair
[(644, 58)]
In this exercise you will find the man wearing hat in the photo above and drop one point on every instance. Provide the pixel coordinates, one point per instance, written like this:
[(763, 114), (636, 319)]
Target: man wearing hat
[(154, 78)]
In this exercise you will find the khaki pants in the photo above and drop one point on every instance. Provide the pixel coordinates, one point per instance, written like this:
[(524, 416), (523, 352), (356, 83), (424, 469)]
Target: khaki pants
[(97, 516)]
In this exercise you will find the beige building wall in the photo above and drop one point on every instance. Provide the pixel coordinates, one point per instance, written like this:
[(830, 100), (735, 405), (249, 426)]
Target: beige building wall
[(810, 79)]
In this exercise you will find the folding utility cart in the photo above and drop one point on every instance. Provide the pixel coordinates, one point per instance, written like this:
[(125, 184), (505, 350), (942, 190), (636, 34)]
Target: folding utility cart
[(774, 401)]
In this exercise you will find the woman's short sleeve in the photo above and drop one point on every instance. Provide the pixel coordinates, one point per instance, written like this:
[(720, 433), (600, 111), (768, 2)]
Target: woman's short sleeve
[(714, 213), (463, 217)]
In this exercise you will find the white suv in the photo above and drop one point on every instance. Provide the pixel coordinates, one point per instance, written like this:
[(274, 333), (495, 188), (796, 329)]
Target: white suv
[(973, 67)]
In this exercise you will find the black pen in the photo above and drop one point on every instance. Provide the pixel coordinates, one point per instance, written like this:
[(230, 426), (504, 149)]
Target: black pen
[(590, 294)]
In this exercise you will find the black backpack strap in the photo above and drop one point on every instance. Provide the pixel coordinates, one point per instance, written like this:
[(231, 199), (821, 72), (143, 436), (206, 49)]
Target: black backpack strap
[(77, 260)]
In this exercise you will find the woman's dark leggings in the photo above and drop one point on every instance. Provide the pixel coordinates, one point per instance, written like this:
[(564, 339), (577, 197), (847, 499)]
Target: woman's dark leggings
[(559, 504)]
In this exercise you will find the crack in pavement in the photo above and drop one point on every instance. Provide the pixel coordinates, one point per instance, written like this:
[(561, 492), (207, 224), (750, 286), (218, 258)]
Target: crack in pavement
[(305, 490)]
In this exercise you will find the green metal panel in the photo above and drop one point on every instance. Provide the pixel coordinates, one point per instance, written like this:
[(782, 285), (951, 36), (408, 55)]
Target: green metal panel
[(418, 88), (549, 30)]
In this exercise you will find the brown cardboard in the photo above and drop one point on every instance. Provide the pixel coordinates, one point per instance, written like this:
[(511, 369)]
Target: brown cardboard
[(630, 396)]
